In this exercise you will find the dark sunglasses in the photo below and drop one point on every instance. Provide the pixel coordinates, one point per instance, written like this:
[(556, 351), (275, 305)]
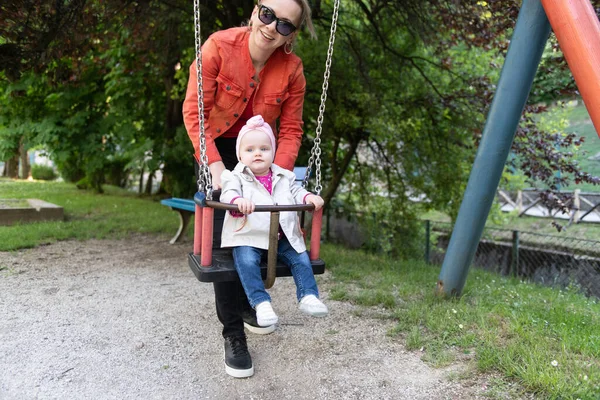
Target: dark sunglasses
[(267, 16)]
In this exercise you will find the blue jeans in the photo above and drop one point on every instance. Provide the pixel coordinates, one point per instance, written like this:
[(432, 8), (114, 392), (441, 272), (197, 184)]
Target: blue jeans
[(247, 263)]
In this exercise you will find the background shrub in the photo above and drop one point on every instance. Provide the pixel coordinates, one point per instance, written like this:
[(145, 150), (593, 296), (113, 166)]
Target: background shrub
[(43, 172)]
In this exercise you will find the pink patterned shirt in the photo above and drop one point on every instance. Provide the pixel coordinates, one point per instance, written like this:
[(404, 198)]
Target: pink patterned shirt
[(266, 181)]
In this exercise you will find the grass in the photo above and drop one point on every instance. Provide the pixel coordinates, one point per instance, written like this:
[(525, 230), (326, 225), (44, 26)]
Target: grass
[(535, 340), (87, 215), (544, 339)]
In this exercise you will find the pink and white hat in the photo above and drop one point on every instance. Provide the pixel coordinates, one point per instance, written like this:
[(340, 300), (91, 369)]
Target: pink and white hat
[(256, 123)]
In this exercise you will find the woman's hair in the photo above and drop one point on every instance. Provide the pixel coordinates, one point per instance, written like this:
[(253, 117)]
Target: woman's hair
[(305, 18)]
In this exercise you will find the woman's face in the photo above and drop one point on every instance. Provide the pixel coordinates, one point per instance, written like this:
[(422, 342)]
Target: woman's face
[(265, 36)]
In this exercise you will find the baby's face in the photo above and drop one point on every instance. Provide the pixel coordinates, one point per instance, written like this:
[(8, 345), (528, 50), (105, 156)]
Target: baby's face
[(256, 152)]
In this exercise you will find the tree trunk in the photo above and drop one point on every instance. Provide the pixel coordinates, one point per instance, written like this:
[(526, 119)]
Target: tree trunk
[(141, 181), (12, 167), (338, 174), (25, 167), (149, 183)]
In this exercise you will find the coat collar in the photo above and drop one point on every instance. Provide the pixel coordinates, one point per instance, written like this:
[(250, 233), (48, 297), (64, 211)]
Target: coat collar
[(278, 172)]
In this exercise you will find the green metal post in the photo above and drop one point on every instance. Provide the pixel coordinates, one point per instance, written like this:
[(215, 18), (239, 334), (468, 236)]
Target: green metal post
[(514, 265), (526, 47), (427, 240)]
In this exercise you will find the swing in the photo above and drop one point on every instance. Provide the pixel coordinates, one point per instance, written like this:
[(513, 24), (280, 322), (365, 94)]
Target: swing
[(216, 265)]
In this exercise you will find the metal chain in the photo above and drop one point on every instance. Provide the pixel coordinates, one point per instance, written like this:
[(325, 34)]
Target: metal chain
[(315, 155), (204, 177)]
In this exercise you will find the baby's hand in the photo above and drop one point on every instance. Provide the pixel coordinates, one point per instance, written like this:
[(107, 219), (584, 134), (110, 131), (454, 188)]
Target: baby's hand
[(315, 200), (244, 205)]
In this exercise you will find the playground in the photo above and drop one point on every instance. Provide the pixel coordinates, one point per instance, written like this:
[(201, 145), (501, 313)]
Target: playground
[(101, 305), (127, 319)]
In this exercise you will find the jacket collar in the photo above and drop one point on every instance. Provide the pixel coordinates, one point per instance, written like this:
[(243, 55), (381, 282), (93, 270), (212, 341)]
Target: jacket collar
[(278, 172), (246, 52)]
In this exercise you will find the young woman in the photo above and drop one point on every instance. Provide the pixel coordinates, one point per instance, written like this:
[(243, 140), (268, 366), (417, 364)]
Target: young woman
[(247, 71)]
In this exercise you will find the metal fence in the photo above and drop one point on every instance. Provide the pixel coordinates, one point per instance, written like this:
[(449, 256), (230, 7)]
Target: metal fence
[(548, 259)]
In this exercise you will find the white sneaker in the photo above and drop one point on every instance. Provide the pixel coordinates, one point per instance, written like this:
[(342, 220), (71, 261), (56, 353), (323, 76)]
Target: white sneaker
[(265, 316), (311, 305)]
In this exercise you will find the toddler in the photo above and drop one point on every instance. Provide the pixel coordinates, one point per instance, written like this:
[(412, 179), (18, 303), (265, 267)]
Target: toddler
[(256, 180)]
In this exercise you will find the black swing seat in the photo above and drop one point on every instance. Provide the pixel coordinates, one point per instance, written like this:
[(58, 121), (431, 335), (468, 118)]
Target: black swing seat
[(222, 268)]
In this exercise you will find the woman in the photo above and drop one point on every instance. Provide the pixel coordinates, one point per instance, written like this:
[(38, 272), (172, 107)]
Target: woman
[(247, 71)]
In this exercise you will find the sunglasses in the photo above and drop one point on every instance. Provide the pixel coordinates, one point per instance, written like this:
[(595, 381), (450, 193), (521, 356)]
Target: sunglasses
[(267, 16)]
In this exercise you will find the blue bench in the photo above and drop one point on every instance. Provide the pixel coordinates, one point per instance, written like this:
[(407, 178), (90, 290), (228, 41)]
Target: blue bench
[(186, 207)]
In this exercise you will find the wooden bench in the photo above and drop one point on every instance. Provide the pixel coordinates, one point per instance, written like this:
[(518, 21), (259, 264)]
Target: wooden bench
[(186, 207)]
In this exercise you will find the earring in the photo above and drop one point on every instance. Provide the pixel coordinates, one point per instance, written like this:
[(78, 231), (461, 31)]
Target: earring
[(288, 50)]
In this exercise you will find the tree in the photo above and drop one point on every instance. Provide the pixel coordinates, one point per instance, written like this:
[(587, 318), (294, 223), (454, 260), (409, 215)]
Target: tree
[(129, 55), (410, 86)]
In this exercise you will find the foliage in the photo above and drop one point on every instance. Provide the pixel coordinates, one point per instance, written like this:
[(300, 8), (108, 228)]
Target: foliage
[(99, 85), (539, 152), (104, 99), (407, 110), (400, 238), (43, 172), (116, 171), (35, 32)]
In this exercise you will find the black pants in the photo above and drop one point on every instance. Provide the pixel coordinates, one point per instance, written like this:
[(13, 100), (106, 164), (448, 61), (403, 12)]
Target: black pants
[(230, 298)]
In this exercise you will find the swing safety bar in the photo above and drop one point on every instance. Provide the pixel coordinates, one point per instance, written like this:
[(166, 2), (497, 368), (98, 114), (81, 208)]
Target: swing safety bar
[(203, 231)]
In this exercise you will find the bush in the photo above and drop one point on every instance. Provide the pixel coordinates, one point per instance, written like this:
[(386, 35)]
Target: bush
[(43, 172), (71, 168), (116, 172)]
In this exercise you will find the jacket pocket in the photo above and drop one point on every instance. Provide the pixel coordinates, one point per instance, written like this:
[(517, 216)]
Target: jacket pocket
[(227, 92), (273, 104)]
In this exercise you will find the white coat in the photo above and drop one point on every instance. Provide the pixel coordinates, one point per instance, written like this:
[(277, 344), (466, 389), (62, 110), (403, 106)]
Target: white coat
[(253, 229)]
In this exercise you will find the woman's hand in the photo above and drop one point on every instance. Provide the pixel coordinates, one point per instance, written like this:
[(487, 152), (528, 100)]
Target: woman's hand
[(244, 205), (315, 200), (216, 169)]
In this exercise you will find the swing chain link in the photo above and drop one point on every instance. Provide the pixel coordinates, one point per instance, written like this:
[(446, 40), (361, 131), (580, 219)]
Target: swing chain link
[(204, 177), (315, 155)]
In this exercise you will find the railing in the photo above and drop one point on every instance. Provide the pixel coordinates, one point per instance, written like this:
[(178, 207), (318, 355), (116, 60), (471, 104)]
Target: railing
[(583, 207)]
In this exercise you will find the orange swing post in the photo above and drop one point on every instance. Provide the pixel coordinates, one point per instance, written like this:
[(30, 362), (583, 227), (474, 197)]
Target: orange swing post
[(197, 230), (207, 235), (315, 235), (577, 30)]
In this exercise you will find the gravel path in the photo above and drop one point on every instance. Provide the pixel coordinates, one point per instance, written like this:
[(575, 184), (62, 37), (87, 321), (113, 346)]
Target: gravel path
[(128, 320)]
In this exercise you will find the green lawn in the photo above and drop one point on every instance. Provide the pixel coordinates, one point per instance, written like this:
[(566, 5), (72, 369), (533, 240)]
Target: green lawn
[(545, 340), (537, 341), (87, 214)]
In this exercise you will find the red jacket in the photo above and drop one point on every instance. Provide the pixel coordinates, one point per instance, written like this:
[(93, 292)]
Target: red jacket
[(227, 73)]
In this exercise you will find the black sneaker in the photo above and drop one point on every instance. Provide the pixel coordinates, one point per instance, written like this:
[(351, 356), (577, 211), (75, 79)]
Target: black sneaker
[(251, 324), (237, 358)]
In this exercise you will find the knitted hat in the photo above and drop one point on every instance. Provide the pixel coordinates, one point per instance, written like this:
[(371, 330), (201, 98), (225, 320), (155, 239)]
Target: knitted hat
[(256, 123)]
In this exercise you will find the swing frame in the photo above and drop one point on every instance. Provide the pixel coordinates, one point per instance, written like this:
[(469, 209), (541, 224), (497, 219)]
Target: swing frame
[(216, 265)]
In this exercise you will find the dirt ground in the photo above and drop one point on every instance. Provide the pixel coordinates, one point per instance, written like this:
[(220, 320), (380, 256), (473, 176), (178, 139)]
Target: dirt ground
[(128, 320)]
